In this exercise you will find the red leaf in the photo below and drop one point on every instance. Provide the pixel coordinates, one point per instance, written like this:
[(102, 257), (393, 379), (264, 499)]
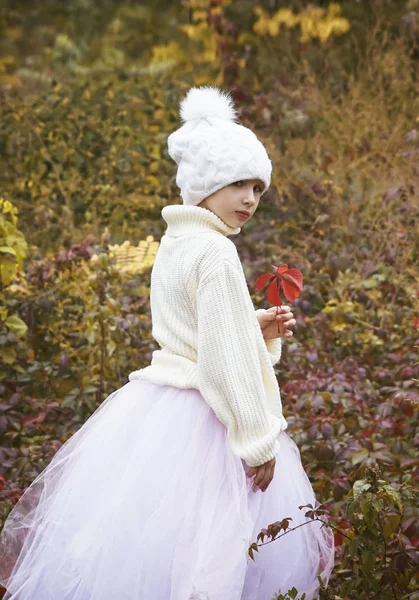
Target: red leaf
[(296, 276), (273, 293), (292, 283), (291, 290), (39, 418), (263, 280), (291, 280)]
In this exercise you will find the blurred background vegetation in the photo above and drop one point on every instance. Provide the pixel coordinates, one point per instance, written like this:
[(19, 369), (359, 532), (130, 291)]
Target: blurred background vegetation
[(89, 92)]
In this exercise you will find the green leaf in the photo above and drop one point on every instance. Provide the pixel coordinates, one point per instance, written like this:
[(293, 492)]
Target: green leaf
[(374, 281), (353, 509), (368, 561), (390, 525), (358, 457), (15, 324), (360, 486), (353, 547), (110, 347), (370, 507), (8, 355), (90, 389), (394, 496)]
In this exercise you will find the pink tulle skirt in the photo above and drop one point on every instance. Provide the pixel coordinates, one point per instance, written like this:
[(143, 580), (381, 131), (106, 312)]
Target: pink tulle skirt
[(146, 501)]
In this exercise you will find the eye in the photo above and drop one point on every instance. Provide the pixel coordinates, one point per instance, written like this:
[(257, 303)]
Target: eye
[(259, 188)]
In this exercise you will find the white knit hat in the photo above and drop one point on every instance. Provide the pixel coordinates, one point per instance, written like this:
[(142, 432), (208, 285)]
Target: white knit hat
[(211, 150)]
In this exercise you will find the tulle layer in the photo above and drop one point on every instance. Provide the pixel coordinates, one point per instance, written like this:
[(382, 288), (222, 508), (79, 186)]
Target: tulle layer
[(146, 501)]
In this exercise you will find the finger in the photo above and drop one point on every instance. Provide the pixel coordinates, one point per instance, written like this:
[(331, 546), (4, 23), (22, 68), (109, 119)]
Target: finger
[(266, 479), (259, 476), (281, 320), (290, 323), (257, 479), (286, 316), (265, 483), (269, 479)]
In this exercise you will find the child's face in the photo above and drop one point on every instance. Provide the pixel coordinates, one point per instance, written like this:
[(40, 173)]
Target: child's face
[(240, 195)]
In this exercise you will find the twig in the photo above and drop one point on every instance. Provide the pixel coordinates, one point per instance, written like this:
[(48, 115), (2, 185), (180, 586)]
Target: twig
[(302, 525)]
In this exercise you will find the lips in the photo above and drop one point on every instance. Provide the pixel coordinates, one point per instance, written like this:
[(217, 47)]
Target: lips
[(243, 214)]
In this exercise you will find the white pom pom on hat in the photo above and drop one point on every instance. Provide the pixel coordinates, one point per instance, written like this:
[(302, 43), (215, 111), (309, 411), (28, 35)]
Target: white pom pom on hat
[(211, 149), (204, 102)]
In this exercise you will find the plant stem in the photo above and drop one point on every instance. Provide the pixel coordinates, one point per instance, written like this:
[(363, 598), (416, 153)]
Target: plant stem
[(302, 525)]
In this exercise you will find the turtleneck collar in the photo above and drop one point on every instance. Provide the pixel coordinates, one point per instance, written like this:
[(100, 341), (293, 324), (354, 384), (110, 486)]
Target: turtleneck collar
[(188, 218)]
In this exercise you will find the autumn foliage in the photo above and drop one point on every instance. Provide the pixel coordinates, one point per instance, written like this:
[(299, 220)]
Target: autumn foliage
[(332, 90)]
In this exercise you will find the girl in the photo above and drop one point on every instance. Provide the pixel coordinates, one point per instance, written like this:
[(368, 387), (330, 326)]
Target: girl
[(160, 493)]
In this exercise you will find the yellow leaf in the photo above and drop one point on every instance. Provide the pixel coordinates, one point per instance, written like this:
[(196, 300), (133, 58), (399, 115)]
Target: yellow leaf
[(287, 17), (197, 4), (6, 60), (167, 52), (8, 354), (341, 26), (111, 347), (199, 15), (7, 252), (7, 271), (273, 28), (333, 10), (217, 10), (160, 114), (12, 80), (194, 32), (16, 325)]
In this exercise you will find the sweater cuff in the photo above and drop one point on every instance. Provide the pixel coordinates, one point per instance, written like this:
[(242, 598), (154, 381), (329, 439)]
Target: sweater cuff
[(259, 451), (274, 345)]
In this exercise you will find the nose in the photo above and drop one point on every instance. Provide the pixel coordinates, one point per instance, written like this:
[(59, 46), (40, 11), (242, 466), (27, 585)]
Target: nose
[(250, 195)]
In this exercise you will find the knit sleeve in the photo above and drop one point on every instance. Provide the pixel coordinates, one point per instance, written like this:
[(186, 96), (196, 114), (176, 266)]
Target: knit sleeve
[(274, 345), (229, 367)]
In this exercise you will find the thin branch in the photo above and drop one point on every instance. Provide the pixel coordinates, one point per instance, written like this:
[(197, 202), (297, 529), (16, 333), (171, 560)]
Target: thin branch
[(302, 525)]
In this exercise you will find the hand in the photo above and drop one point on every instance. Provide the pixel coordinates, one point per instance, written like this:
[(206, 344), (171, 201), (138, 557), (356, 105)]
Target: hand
[(269, 319), (264, 475)]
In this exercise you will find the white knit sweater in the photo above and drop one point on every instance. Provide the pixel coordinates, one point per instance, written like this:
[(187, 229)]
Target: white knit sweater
[(210, 339)]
